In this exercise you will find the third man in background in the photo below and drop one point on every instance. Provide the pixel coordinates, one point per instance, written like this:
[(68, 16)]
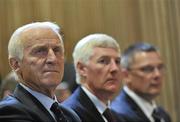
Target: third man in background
[(144, 71)]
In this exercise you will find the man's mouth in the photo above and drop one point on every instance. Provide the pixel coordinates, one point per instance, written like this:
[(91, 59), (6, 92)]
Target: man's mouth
[(52, 71)]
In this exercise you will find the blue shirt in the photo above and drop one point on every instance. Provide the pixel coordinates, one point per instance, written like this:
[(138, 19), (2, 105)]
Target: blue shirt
[(43, 99)]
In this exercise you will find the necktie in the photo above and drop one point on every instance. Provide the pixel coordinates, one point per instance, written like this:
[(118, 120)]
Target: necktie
[(156, 115), (108, 115), (58, 113)]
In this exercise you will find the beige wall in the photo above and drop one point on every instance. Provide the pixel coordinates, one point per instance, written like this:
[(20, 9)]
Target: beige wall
[(154, 21)]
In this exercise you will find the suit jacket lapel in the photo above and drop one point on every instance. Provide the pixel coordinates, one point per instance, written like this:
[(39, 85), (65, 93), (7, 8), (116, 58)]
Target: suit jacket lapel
[(135, 107), (89, 106), (32, 103)]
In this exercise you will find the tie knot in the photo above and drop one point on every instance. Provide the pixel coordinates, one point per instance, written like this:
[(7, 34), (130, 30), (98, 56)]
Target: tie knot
[(156, 115), (107, 112), (55, 108), (108, 115)]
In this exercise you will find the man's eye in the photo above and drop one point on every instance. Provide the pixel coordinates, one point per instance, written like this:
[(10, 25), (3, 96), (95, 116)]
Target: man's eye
[(147, 69), (118, 61), (41, 51), (58, 50), (161, 67), (103, 61)]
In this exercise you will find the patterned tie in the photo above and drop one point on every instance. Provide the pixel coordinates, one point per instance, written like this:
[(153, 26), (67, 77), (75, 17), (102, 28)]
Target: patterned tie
[(108, 115), (58, 113), (156, 115)]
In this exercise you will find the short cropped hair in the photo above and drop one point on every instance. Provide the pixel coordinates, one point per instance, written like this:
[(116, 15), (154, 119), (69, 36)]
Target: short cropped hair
[(129, 53), (16, 43), (84, 48)]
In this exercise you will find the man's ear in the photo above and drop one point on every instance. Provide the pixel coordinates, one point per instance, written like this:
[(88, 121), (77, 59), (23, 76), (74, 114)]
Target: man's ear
[(81, 68), (15, 64)]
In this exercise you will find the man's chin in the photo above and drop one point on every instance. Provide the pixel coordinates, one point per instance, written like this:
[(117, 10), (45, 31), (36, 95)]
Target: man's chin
[(55, 81), (113, 89)]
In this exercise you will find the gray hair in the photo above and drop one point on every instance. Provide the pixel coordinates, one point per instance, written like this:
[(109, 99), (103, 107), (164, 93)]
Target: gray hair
[(84, 48), (16, 43), (129, 53)]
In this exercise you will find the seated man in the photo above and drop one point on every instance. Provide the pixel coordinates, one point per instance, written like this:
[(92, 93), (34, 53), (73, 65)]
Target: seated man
[(62, 91), (97, 64), (8, 84), (144, 71), (36, 55)]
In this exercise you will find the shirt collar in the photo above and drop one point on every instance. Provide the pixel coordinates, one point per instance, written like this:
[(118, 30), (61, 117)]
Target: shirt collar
[(145, 106), (45, 100), (97, 102)]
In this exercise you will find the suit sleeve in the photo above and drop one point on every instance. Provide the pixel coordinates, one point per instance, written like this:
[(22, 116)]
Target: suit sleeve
[(14, 114)]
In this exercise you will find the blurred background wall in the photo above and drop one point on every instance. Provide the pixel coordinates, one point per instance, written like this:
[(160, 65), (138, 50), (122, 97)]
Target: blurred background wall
[(128, 21)]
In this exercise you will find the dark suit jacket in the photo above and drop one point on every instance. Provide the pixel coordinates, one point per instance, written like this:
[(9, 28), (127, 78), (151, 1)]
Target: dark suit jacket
[(130, 111), (84, 107), (24, 107)]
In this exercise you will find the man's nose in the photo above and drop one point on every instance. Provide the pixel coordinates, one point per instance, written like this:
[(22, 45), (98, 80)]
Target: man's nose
[(114, 66), (51, 57), (157, 72)]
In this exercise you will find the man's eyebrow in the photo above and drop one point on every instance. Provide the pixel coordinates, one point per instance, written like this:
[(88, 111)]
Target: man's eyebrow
[(41, 45)]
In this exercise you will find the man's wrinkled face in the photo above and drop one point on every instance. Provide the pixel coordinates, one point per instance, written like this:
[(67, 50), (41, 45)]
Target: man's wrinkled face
[(43, 60)]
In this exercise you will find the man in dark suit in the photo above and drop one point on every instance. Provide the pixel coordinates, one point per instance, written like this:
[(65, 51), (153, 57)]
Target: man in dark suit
[(143, 68), (36, 55), (97, 65)]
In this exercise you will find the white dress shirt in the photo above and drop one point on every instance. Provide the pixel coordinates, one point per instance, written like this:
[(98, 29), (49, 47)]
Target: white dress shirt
[(144, 105)]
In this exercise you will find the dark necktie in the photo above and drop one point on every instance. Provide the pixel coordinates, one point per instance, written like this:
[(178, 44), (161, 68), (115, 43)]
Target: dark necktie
[(156, 115), (108, 115), (58, 113)]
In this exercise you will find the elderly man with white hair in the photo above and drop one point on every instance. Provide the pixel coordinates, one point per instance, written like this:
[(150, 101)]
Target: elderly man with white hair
[(36, 55)]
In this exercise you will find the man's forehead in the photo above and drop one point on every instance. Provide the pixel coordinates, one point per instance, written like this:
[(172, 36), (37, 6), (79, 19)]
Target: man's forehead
[(147, 57), (46, 45), (42, 43), (37, 33), (106, 52)]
